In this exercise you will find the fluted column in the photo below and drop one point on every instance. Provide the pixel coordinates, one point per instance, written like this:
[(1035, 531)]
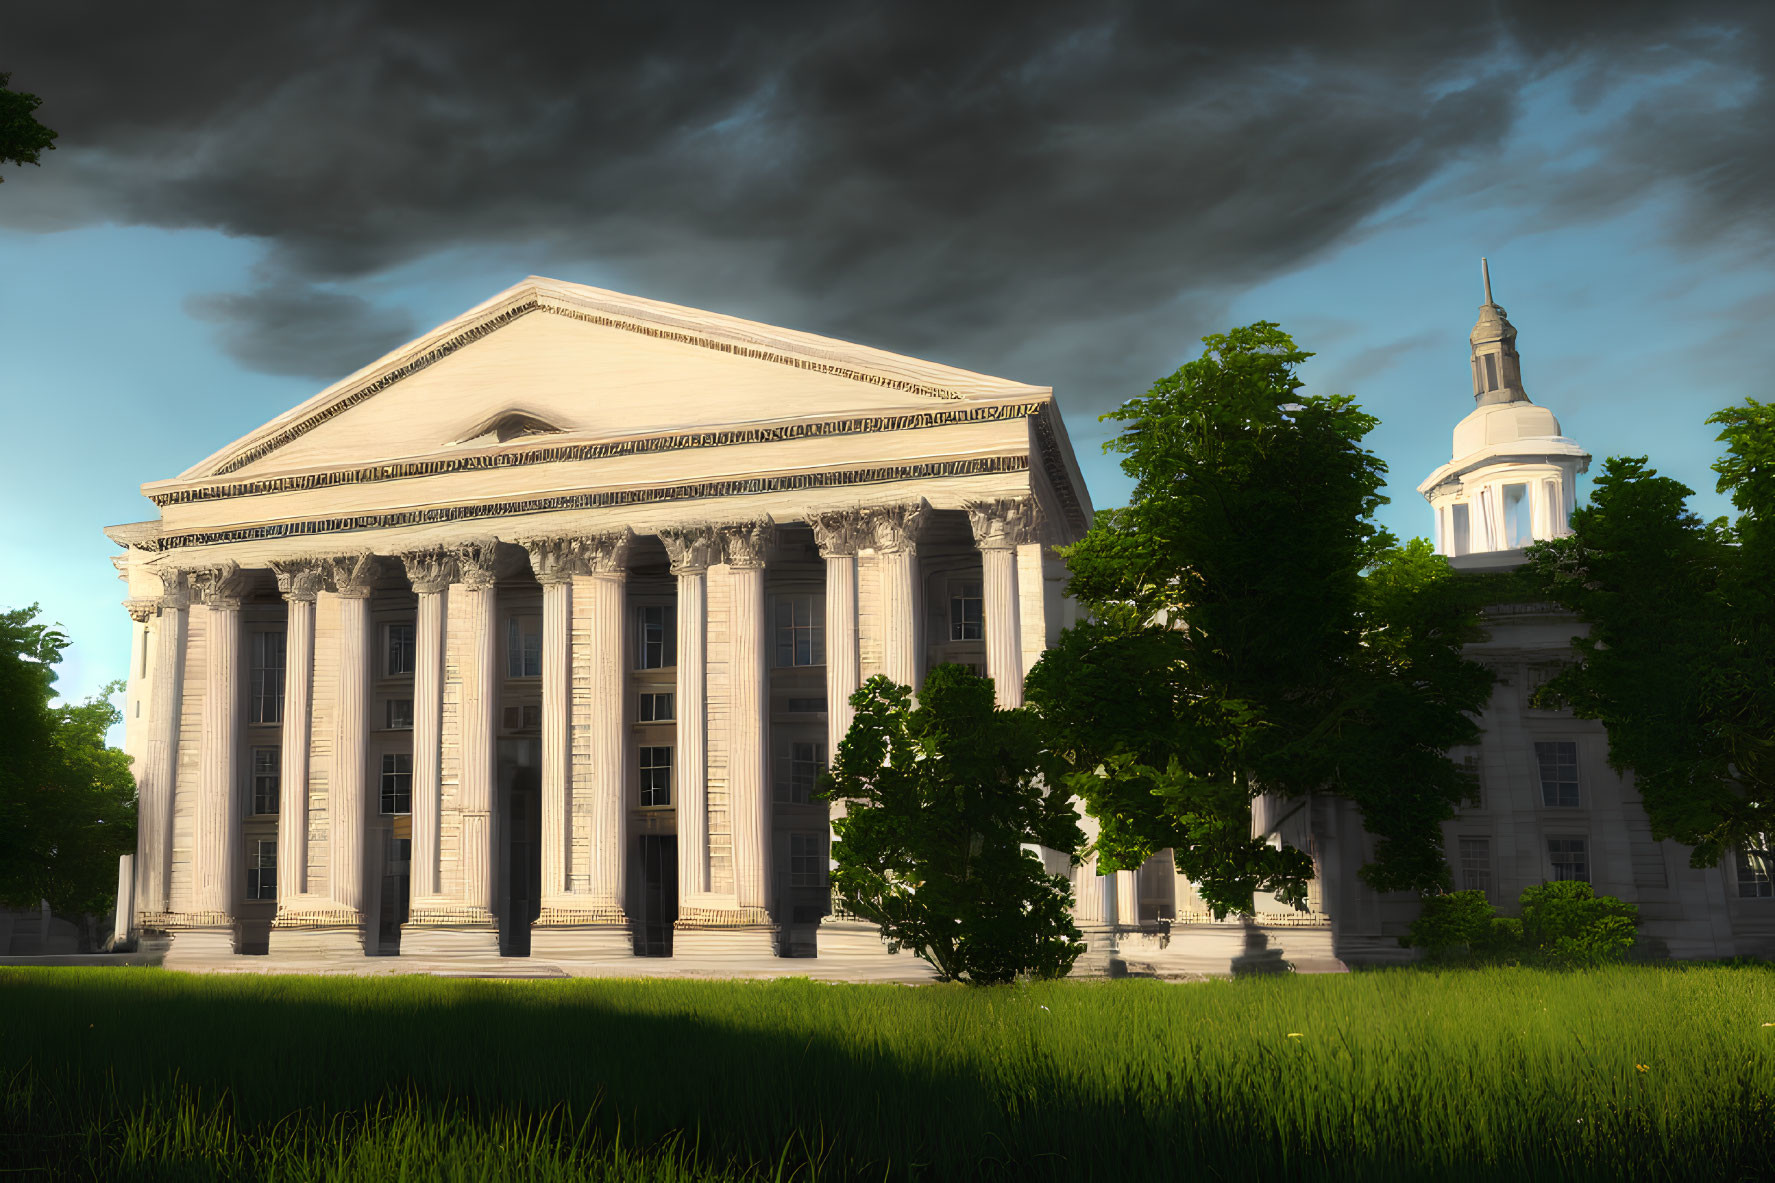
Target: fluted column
[(1128, 898), (216, 848), (556, 561), (300, 585), (748, 744), (839, 535), (348, 798), (999, 526), (895, 531), (607, 559), (691, 551), (430, 573), (480, 702), (159, 771)]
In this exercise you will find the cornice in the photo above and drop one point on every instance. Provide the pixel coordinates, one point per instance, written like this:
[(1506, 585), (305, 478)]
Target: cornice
[(564, 452), (603, 499)]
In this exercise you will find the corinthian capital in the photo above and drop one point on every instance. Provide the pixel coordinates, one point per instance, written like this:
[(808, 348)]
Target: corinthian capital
[(556, 560), (175, 587), (353, 576), (743, 543), (430, 571), (474, 562), (691, 548), (898, 527), (1004, 523), (140, 608), (222, 585), (607, 554), (840, 531), (300, 580)]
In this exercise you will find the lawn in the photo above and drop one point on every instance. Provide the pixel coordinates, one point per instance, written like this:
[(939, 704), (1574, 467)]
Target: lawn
[(1642, 1072)]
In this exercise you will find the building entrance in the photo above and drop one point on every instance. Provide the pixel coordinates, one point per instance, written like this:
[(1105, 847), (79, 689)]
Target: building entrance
[(523, 886), (657, 908)]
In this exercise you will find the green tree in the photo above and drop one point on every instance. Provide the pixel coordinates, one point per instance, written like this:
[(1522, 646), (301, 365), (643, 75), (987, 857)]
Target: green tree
[(1252, 629), (67, 801), (1679, 661), (22, 138), (941, 800)]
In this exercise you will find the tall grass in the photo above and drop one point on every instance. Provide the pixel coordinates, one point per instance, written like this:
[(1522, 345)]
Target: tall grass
[(1630, 1072)]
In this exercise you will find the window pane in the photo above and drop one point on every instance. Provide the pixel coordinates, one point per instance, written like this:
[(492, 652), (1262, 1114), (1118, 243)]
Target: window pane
[(1476, 864), (1753, 879), (400, 649), (514, 649), (656, 776), (1569, 859), (1558, 767)]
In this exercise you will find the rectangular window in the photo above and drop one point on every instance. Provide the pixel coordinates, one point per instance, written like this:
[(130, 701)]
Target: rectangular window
[(1519, 528), (656, 776), (262, 871), (806, 861), (656, 708), (523, 647), (807, 706), (1462, 542), (267, 678), (397, 782), (1491, 371), (1476, 864), (800, 630), (1558, 761), (400, 649), (1753, 880), (967, 618), (799, 764), (267, 773), (1568, 859), (400, 714), (656, 645)]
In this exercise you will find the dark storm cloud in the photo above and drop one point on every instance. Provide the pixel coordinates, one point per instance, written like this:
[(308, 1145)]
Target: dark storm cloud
[(1063, 192)]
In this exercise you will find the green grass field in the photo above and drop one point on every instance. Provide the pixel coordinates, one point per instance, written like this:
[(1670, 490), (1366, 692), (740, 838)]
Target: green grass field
[(1632, 1072)]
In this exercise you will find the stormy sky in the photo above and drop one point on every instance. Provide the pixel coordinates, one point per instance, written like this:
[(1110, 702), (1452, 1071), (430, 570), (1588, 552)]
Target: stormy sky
[(249, 201)]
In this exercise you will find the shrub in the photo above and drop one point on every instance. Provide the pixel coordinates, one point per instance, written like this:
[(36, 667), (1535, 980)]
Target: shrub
[(1462, 926), (1562, 924)]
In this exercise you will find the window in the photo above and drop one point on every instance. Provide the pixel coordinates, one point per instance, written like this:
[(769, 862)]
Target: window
[(1476, 864), (267, 775), (656, 646), (967, 619), (1519, 528), (800, 630), (267, 678), (799, 765), (656, 776), (1462, 542), (522, 718), (523, 647), (1568, 859), (805, 869), (262, 871), (400, 714), (400, 649), (1753, 880), (397, 782), (807, 706), (1491, 371), (656, 708), (1559, 773)]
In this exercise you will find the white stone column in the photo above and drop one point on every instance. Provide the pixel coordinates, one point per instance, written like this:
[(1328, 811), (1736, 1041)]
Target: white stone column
[(691, 551), (608, 559), (999, 528), (348, 793), (896, 530), (300, 585), (217, 866), (1128, 899), (839, 536), (159, 771), (430, 573), (749, 741), (480, 703), (556, 561)]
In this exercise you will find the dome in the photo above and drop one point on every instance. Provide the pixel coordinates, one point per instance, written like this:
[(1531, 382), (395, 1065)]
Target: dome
[(1503, 423)]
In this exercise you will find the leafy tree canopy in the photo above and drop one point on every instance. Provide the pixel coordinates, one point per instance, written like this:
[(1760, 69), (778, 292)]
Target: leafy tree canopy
[(1679, 663), (22, 138), (67, 801), (1251, 630), (941, 801)]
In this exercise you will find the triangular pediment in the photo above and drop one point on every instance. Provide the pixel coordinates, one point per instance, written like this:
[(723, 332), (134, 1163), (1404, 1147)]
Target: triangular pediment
[(546, 359)]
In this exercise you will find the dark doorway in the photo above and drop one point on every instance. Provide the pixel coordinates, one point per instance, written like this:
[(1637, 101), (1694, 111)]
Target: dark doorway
[(397, 856), (523, 887), (658, 906)]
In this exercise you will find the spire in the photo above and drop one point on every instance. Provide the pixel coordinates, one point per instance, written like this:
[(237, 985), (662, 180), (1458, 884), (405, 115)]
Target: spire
[(1497, 369)]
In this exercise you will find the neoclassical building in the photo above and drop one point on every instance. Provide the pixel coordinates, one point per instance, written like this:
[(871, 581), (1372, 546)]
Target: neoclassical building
[(533, 636)]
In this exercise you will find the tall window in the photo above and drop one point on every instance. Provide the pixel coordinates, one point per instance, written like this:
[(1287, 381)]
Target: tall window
[(800, 630), (1476, 864), (1753, 880), (1491, 371), (400, 649), (262, 871), (523, 647), (656, 776), (1461, 519), (656, 644), (805, 859), (1558, 762), (267, 678), (967, 617), (267, 775), (1519, 529), (799, 764), (1569, 859), (397, 782)]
